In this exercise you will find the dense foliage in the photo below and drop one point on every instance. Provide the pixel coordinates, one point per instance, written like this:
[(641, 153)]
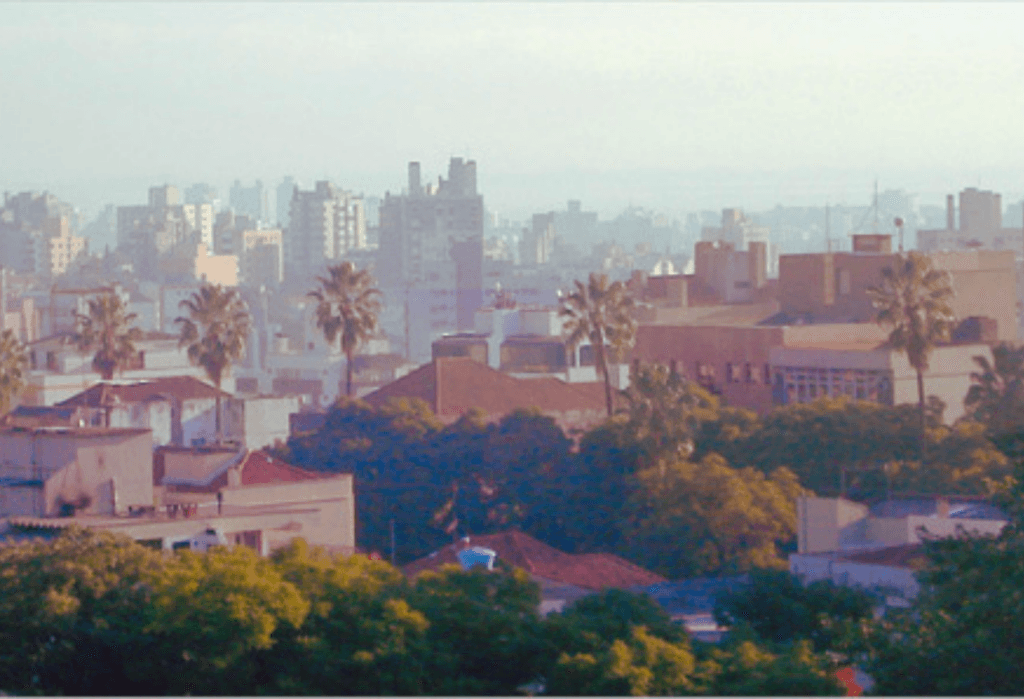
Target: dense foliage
[(92, 613)]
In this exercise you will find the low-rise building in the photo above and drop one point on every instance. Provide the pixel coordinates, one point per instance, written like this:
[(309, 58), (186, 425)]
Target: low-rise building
[(453, 385), (62, 471)]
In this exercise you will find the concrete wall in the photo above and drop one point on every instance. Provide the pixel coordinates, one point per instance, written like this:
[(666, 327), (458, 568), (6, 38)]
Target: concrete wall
[(826, 524), (105, 471), (265, 420), (893, 531), (325, 515), (812, 567)]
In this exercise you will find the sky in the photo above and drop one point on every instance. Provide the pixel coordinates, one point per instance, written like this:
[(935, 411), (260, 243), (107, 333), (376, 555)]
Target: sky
[(675, 105)]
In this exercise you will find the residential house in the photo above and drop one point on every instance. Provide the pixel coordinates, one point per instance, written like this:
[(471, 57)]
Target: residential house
[(174, 498), (60, 471), (563, 577)]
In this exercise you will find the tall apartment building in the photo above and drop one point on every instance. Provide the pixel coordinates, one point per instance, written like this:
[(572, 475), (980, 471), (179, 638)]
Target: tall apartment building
[(145, 233), (35, 235), (285, 190), (250, 201), (324, 224), (434, 236)]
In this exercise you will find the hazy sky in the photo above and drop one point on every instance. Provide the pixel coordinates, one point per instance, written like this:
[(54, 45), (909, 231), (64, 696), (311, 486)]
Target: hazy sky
[(921, 95)]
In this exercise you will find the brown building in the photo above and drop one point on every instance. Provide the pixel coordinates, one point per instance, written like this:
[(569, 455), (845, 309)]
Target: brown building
[(453, 385)]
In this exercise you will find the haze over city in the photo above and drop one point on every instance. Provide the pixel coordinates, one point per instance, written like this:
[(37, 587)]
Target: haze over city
[(673, 106)]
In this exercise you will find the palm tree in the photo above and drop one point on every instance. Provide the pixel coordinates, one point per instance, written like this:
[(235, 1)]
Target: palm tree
[(600, 312), (347, 304), (13, 362), (913, 303), (108, 331), (215, 332)]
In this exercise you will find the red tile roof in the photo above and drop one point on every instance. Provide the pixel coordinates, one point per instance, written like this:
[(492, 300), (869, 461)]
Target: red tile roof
[(260, 468), (453, 385), (593, 571), (179, 387)]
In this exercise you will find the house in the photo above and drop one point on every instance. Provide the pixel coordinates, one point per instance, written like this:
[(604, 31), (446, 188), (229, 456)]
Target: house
[(453, 385), (58, 370), (879, 548), (177, 497), (179, 410), (563, 577), (60, 471)]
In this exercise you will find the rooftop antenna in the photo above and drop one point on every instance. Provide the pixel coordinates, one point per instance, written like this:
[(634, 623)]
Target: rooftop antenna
[(828, 231)]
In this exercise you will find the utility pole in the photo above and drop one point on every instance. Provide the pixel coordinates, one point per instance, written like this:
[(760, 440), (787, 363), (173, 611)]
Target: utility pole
[(392, 541)]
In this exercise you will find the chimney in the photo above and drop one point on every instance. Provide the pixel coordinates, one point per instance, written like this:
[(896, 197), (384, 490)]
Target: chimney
[(950, 213)]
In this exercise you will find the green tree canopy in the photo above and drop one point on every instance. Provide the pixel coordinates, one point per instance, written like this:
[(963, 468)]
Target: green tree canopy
[(688, 519)]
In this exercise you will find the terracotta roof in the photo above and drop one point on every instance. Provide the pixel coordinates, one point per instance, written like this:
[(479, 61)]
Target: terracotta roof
[(179, 387), (453, 385), (260, 468), (593, 571)]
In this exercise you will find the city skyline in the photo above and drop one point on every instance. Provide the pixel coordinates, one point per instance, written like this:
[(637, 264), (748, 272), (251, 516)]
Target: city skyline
[(669, 106)]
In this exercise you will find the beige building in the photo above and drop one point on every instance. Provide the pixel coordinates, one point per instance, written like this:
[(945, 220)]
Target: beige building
[(51, 472), (215, 269), (109, 479)]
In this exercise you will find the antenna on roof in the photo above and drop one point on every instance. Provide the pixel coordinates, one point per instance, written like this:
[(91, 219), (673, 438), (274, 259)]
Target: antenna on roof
[(828, 231)]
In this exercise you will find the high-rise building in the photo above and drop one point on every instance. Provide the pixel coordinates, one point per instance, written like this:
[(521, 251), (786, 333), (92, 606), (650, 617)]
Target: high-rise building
[(431, 249), (285, 191), (324, 224), (145, 233), (250, 201)]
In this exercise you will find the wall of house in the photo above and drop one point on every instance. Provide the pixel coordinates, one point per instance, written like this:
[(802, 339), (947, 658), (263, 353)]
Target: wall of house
[(322, 510), (892, 531), (812, 567), (265, 420), (105, 471), (826, 524), (154, 416)]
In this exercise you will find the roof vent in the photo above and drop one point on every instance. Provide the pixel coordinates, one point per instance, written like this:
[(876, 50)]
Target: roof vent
[(476, 556)]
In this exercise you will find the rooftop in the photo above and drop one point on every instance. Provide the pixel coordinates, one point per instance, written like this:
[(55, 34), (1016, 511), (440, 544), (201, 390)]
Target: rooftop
[(178, 387), (593, 571), (453, 385)]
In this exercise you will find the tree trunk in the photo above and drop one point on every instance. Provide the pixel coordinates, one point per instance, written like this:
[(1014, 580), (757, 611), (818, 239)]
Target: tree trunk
[(348, 373), (920, 413), (602, 365), (216, 382)]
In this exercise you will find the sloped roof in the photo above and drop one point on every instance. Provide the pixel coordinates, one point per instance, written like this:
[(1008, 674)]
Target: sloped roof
[(179, 387), (260, 468), (593, 571), (41, 416), (453, 385)]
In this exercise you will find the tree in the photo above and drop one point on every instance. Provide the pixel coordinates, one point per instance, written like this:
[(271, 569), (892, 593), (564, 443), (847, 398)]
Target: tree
[(347, 304), (215, 332), (599, 311), (210, 613), (13, 362), (688, 519), (71, 615), (666, 411), (996, 396), (913, 303), (107, 330), (780, 609)]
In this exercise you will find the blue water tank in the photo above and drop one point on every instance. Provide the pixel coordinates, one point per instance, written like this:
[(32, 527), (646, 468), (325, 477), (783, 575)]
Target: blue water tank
[(476, 556)]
